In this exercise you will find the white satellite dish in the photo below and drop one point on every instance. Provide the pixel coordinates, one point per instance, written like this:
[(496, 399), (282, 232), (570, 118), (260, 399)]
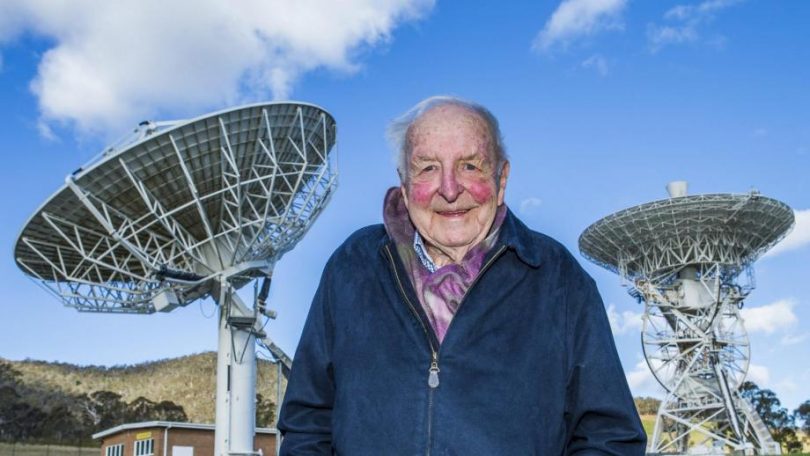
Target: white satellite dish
[(188, 209), (683, 257)]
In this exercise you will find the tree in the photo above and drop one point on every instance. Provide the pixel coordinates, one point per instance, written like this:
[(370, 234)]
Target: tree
[(265, 412), (802, 413), (9, 398), (8, 375), (647, 405), (169, 411), (18, 419), (104, 409), (142, 409), (64, 426)]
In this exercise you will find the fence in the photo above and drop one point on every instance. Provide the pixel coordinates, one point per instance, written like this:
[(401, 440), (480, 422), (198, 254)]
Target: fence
[(20, 449)]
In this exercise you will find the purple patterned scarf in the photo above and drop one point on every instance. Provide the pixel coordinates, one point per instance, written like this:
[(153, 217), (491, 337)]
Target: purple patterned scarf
[(439, 292)]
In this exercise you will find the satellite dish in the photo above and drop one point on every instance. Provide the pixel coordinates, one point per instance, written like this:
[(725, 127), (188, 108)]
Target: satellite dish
[(684, 257), (183, 210)]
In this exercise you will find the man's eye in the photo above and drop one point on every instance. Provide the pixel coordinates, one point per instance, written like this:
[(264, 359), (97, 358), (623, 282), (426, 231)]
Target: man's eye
[(428, 168), (469, 167)]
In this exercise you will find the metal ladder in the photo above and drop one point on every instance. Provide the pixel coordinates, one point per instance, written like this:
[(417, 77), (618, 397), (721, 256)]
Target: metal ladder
[(767, 444)]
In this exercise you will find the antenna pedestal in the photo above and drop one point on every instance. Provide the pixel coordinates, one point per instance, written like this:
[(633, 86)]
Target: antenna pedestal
[(696, 347), (236, 379)]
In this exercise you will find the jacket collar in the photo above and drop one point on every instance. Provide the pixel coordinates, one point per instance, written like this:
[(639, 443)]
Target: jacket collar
[(518, 237)]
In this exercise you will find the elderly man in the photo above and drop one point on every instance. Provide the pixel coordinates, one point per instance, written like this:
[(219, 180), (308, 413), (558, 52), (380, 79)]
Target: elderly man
[(453, 329)]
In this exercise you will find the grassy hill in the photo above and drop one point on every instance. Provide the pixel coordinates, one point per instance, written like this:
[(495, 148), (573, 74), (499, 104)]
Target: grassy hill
[(188, 381)]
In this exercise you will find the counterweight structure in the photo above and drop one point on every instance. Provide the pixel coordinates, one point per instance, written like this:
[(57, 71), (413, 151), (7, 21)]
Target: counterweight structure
[(184, 210), (688, 259)]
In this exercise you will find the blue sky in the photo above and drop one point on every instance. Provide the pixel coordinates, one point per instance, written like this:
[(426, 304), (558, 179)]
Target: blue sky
[(601, 102)]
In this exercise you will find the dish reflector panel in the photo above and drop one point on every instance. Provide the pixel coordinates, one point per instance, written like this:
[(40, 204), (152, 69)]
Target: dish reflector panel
[(226, 194)]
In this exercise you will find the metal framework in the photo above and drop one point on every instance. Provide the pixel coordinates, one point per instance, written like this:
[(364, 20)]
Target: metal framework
[(684, 257), (183, 210)]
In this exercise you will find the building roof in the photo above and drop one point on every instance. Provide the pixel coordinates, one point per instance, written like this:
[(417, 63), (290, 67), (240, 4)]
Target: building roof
[(168, 424)]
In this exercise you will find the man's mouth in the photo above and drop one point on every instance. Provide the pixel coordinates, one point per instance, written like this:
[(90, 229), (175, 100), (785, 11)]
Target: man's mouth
[(453, 213)]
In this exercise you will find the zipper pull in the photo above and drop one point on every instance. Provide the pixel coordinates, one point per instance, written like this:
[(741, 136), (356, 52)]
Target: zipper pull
[(433, 372)]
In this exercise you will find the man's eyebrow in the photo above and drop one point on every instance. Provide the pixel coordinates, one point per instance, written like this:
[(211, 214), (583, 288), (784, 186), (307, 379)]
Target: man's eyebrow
[(422, 158), (476, 157)]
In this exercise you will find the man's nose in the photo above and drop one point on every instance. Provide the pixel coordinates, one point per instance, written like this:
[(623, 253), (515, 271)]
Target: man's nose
[(450, 187)]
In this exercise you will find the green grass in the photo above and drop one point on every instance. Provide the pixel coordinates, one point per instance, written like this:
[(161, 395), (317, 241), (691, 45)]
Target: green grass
[(648, 421)]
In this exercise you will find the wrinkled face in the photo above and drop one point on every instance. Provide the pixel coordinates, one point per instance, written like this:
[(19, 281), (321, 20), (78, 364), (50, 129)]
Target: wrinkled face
[(451, 193)]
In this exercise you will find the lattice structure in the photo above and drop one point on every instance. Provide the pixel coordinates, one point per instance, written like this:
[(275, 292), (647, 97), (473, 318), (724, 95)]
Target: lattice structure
[(683, 257), (228, 192)]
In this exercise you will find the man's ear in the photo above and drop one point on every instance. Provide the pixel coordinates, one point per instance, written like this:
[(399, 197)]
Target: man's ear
[(502, 182), (404, 192)]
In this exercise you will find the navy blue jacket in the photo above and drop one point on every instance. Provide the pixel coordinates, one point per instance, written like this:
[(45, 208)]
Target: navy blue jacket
[(527, 367)]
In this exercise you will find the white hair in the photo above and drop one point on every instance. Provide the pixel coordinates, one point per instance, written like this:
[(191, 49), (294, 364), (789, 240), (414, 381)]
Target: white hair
[(399, 129)]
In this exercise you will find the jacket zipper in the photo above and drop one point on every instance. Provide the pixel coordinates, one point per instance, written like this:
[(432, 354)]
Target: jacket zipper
[(433, 350), (433, 371)]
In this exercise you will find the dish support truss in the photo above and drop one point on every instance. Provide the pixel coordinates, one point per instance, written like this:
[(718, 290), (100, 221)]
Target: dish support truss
[(203, 222), (696, 346)]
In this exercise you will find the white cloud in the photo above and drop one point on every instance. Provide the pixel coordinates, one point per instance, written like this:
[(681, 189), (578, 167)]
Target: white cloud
[(642, 382), (799, 237), (687, 12), (597, 63), (684, 25), (46, 131), (624, 322), (793, 339), (115, 63), (578, 18), (771, 317), (787, 385), (659, 36), (530, 204), (759, 375)]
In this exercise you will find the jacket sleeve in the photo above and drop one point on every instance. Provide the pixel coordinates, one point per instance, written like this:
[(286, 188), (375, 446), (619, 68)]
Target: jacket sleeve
[(305, 420), (601, 418)]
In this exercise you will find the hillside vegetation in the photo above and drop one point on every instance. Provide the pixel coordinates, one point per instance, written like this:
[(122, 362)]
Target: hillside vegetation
[(58, 402), (188, 381)]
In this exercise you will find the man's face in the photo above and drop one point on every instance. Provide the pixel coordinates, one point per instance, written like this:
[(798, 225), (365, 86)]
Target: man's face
[(451, 193)]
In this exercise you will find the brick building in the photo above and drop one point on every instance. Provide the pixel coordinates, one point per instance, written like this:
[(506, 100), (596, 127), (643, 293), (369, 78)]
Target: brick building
[(164, 438)]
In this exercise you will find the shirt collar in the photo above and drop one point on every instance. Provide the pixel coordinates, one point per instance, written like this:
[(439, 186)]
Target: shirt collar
[(422, 253)]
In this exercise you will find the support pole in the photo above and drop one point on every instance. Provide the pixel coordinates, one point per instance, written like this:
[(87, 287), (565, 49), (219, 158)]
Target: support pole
[(222, 428), (278, 405), (236, 382), (243, 392)]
